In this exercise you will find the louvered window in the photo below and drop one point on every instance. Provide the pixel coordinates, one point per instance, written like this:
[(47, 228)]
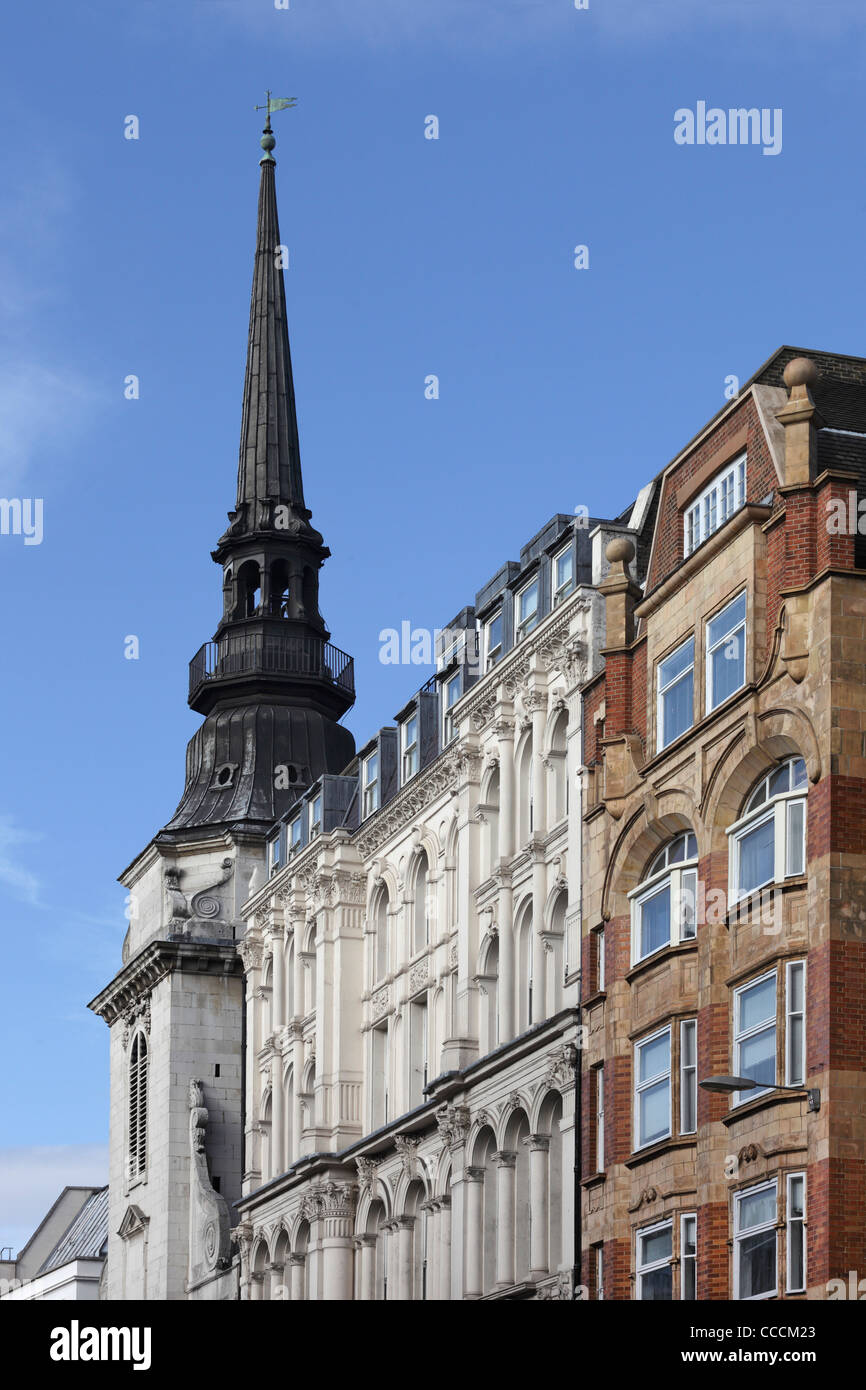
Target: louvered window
[(138, 1106)]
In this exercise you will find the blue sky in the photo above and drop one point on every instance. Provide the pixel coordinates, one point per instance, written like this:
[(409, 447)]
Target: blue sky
[(409, 257)]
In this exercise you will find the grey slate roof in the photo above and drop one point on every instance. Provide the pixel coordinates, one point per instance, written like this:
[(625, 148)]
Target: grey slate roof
[(87, 1237)]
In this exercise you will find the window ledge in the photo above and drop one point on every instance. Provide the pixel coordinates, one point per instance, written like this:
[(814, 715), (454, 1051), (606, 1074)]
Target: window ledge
[(597, 997), (682, 948), (752, 901), (677, 1141), (594, 1180), (753, 1107)]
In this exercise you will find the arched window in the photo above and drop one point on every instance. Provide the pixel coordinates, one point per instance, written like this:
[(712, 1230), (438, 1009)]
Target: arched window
[(558, 781), (525, 809), (525, 982), (279, 594), (380, 918), (663, 906), (489, 810), (421, 914), (138, 1106), (768, 842), (488, 983), (249, 589)]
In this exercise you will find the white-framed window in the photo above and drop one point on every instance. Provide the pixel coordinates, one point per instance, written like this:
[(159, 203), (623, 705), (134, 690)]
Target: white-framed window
[(369, 785), (599, 1119), (675, 702), (493, 641), (655, 1249), (410, 747), (652, 1088), (795, 1213), (756, 1254), (664, 905), (599, 1273), (768, 843), (450, 696), (527, 609), (315, 815), (689, 1076), (718, 501), (795, 1023), (563, 575), (726, 652), (274, 854), (137, 1135), (755, 1034), (295, 834), (688, 1255), (599, 957)]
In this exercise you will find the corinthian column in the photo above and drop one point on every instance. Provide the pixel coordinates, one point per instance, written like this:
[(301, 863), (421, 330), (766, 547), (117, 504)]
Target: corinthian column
[(296, 1285), (444, 1223), (539, 1196), (505, 1179), (505, 913), (338, 1219), (473, 1179)]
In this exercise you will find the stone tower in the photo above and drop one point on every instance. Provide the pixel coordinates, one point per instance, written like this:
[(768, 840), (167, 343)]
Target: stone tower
[(272, 689)]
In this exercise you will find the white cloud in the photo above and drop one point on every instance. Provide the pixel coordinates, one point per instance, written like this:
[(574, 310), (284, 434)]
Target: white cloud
[(23, 883), (41, 409), (32, 1178)]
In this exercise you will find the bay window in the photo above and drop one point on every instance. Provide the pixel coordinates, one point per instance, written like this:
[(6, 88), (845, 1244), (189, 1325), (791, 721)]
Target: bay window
[(688, 1077), (676, 693), (726, 652), (796, 1232), (688, 1255), (768, 842), (664, 905), (755, 1034)]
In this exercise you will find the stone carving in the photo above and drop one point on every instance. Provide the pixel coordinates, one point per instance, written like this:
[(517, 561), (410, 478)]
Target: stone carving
[(250, 950), (409, 804), (560, 1073), (136, 1016), (452, 957), (381, 1002), (646, 1198), (209, 1221), (749, 1153), (558, 1291), (367, 1177), (183, 914), (419, 975), (408, 1150), (453, 1124)]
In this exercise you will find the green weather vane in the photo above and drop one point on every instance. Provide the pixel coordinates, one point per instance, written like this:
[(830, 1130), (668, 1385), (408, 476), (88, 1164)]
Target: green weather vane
[(267, 141)]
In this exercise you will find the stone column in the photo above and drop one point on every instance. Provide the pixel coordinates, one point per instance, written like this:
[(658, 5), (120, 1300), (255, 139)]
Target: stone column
[(257, 1286), (278, 978), (505, 906), (444, 1231), (338, 1219), (366, 1290), (539, 1196), (474, 1238), (278, 1112), (296, 1281), (537, 704), (505, 1181), (433, 1255), (404, 1236)]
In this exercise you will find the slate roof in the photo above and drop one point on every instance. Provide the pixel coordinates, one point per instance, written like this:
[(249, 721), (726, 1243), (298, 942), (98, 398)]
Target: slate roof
[(87, 1237)]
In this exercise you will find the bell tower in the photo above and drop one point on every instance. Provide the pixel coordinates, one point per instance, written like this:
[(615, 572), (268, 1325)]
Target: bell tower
[(272, 689)]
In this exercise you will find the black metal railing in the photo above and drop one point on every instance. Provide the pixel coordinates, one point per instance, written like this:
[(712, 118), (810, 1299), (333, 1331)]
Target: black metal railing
[(252, 653)]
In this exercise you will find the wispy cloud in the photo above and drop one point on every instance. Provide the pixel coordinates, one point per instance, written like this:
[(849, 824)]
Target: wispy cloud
[(22, 882), (41, 407), (32, 1178)]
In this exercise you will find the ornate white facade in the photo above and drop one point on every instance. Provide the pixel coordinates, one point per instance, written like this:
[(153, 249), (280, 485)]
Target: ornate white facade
[(410, 1089)]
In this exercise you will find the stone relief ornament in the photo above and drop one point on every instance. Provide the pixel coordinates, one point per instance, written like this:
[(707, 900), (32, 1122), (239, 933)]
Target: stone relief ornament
[(408, 1150), (209, 1220), (560, 1073), (418, 975), (453, 1123), (367, 1176), (250, 950), (136, 1016), (381, 1002)]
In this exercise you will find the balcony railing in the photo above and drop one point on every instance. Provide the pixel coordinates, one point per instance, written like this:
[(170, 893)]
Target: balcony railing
[(255, 653)]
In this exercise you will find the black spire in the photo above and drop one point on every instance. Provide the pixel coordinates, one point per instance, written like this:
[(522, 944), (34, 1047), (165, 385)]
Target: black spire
[(270, 684)]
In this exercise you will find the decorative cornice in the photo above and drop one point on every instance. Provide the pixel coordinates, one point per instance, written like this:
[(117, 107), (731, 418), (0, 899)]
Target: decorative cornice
[(157, 960)]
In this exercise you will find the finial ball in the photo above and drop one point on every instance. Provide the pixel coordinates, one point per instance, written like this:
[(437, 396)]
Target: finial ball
[(267, 141), (800, 371), (620, 548)]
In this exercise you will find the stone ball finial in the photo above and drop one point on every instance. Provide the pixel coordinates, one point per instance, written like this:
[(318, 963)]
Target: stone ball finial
[(620, 548), (268, 141), (800, 371)]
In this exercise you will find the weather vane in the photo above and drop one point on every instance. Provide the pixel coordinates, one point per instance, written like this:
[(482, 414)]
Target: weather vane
[(267, 141)]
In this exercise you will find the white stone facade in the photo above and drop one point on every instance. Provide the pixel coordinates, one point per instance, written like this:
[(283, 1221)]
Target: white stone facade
[(412, 1026)]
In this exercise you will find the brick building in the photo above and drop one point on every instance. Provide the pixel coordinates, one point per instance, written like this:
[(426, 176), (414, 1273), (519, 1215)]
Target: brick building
[(724, 846)]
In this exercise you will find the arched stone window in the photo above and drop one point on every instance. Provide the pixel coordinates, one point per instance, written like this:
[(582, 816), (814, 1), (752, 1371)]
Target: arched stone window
[(279, 590), (488, 984), (249, 589), (421, 913), (768, 842), (525, 809), (138, 1064), (663, 906), (527, 1004), (489, 810), (380, 940), (558, 778), (266, 1137)]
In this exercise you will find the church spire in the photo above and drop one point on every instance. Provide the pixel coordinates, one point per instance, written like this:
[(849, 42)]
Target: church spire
[(269, 464), (271, 686)]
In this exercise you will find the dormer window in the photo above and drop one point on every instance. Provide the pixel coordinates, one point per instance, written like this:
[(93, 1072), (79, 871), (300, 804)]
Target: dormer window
[(315, 815), (294, 835), (493, 641), (450, 696), (370, 785), (274, 855), (563, 575), (527, 609), (410, 747), (713, 507)]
